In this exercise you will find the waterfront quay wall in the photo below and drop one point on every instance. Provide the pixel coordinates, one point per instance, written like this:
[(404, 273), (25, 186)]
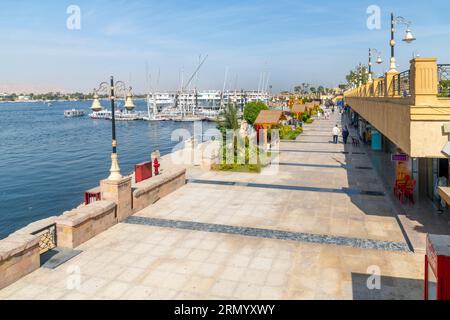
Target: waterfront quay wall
[(20, 252)]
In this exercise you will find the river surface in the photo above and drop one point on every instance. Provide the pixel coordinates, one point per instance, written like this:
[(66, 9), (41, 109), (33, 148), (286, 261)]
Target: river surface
[(48, 161)]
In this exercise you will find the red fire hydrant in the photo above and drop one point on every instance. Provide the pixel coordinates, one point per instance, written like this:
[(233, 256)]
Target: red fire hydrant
[(156, 165)]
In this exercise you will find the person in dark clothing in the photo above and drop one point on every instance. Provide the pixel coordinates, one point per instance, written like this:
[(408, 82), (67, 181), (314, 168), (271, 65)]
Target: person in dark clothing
[(345, 134)]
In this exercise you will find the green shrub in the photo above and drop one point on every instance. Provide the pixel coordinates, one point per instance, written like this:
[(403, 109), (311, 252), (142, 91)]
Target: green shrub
[(288, 133), (445, 85), (252, 110), (310, 120), (305, 117)]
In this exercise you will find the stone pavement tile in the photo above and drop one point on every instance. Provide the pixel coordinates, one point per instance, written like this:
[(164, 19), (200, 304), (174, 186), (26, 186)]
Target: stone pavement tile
[(232, 273), (51, 294), (145, 262), (198, 255), (199, 285), (239, 260), (92, 285), (247, 291), (153, 278), (75, 295), (254, 276), (131, 274), (138, 292), (168, 265), (271, 293), (114, 290), (259, 263), (300, 294), (180, 252), (224, 288), (127, 259), (142, 248), (184, 295), (187, 267), (209, 269), (28, 291), (174, 281), (276, 279), (111, 271)]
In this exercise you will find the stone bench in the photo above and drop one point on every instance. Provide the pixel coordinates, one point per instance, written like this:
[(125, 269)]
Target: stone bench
[(19, 256), (149, 191), (81, 224)]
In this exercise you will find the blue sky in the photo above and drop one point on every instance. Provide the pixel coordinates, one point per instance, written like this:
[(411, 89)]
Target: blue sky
[(293, 41)]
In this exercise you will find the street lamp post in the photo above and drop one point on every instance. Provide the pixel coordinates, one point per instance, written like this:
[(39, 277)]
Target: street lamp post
[(378, 61), (113, 88), (408, 37)]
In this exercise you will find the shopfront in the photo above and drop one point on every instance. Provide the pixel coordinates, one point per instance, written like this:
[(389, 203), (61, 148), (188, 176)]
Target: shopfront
[(432, 174)]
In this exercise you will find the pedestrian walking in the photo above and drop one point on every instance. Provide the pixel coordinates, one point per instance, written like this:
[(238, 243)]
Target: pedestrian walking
[(345, 134), (336, 132)]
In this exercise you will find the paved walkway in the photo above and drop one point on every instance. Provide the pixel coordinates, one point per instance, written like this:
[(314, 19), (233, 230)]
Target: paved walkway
[(314, 227)]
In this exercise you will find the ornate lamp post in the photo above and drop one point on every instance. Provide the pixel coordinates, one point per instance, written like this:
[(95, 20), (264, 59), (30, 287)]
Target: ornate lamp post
[(408, 37), (378, 61), (114, 88)]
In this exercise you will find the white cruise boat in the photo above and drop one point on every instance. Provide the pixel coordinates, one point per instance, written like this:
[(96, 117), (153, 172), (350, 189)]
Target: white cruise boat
[(102, 114), (73, 113)]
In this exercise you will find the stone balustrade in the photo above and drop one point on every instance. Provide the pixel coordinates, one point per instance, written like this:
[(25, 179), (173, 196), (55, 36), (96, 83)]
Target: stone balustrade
[(149, 191), (81, 224), (19, 255), (406, 108), (20, 252)]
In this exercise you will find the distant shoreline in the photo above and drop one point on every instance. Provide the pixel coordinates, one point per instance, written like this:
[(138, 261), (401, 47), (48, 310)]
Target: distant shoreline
[(59, 100)]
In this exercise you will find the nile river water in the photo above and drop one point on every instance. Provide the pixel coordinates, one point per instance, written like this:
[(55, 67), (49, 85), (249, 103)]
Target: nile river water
[(48, 161)]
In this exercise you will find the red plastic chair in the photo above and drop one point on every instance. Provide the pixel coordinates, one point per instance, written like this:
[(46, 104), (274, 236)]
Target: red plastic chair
[(400, 186), (409, 191)]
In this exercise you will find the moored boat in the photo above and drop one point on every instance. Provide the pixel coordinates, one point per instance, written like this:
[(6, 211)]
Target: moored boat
[(73, 113)]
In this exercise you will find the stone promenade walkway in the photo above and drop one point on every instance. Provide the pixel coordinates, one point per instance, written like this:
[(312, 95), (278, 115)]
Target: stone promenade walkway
[(314, 227)]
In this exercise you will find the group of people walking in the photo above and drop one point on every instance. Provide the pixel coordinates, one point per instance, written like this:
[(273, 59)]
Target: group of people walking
[(336, 131)]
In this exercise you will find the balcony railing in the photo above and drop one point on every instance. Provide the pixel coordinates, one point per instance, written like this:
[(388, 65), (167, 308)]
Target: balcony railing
[(444, 80), (381, 88), (412, 85), (402, 84)]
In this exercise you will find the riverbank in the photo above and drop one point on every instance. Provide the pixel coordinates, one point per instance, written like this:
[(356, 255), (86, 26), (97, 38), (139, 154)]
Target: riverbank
[(47, 161)]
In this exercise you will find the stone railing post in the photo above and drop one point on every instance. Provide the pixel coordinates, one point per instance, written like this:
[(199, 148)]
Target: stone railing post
[(375, 85), (389, 83), (424, 80), (120, 193)]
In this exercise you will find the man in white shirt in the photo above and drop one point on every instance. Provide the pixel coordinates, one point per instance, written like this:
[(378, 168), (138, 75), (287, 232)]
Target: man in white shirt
[(336, 132)]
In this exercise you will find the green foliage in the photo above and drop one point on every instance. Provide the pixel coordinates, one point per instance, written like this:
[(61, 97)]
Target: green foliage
[(305, 117), (230, 119), (288, 133), (241, 157), (310, 120), (252, 168), (252, 110), (445, 86), (359, 74)]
